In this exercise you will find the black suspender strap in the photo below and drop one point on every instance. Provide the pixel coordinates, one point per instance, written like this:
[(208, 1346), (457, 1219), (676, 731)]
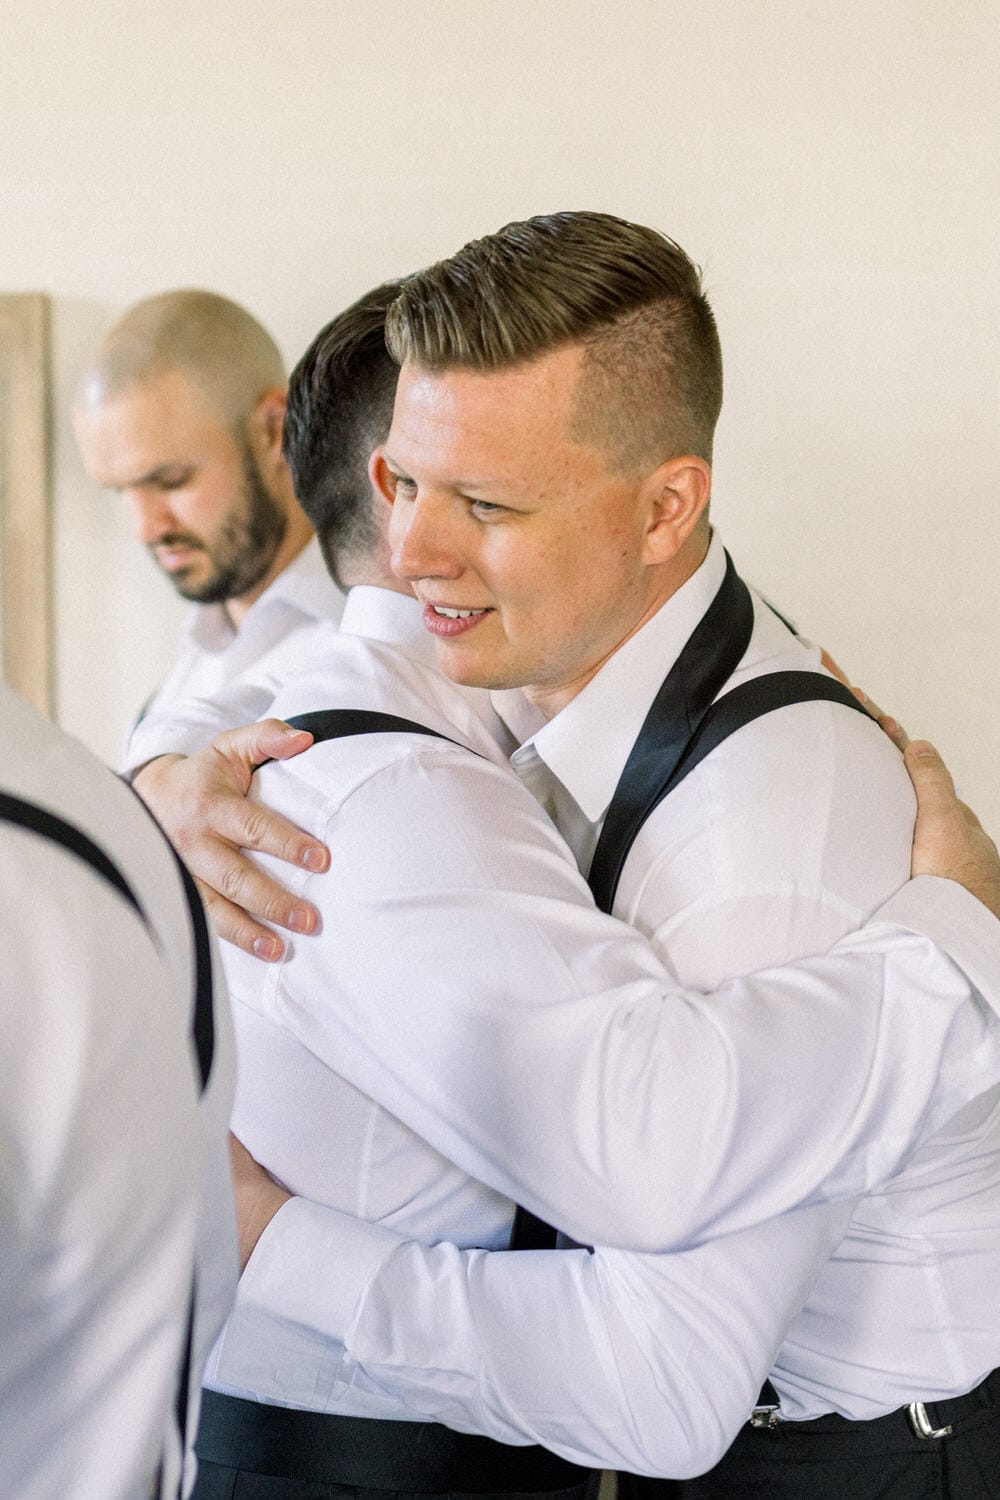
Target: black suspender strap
[(711, 656), (685, 722), (202, 1015), (58, 831), (203, 1045), (202, 1022), (527, 1232), (749, 701), (337, 723), (203, 1039), (222, 1416), (48, 825)]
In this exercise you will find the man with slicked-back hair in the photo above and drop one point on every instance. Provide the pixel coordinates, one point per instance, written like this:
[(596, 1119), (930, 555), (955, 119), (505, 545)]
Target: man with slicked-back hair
[(652, 1361), (180, 410)]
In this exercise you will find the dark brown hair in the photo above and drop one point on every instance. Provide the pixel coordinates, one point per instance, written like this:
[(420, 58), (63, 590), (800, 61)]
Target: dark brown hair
[(339, 409)]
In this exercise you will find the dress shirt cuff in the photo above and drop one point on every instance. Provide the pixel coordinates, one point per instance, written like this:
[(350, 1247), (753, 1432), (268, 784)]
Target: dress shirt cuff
[(162, 738), (298, 1296), (959, 924)]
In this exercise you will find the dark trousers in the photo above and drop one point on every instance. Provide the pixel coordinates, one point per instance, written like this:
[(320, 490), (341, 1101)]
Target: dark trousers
[(248, 1451), (217, 1482), (833, 1459)]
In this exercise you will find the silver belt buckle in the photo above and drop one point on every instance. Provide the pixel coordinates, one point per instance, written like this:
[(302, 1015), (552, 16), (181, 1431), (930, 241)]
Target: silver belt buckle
[(920, 1422)]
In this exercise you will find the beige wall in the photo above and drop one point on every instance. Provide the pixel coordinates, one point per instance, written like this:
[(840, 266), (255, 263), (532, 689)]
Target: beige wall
[(832, 165)]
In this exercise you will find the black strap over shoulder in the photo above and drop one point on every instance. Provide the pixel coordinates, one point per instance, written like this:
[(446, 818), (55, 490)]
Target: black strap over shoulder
[(337, 723), (749, 701), (527, 1232), (713, 652), (687, 720), (48, 825), (202, 1020)]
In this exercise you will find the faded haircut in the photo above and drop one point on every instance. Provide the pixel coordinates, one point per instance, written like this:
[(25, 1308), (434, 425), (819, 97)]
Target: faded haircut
[(339, 410), (651, 381), (216, 344)]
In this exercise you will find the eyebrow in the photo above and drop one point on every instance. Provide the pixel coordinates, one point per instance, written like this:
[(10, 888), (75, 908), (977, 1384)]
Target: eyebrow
[(460, 486), (154, 475)]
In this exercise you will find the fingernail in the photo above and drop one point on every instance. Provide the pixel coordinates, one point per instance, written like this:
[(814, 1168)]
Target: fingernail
[(300, 920), (268, 948), (313, 859)]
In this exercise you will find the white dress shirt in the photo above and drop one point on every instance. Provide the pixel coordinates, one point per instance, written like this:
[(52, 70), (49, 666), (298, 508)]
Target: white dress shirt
[(115, 1183), (650, 1362), (294, 614)]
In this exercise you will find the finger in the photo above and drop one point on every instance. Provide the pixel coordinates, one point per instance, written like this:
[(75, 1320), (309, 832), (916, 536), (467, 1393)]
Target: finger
[(239, 881), (249, 825), (833, 668), (233, 925), (890, 726), (270, 739)]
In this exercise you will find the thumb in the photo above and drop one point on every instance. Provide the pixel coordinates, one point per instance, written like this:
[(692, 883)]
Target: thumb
[(271, 739), (930, 776)]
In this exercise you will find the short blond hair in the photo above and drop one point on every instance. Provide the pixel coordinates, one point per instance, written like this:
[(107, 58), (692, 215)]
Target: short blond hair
[(651, 382)]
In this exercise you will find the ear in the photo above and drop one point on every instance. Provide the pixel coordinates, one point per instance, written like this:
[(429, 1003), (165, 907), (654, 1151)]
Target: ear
[(380, 477), (266, 422), (676, 497)]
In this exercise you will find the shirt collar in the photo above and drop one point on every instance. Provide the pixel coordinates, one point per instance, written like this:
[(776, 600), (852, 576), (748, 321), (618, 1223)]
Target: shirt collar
[(305, 585), (388, 616), (587, 744)]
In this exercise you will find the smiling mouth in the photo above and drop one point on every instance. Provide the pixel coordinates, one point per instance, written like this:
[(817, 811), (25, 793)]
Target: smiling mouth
[(444, 622)]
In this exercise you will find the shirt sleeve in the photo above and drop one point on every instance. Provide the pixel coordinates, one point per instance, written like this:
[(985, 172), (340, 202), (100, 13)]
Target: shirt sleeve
[(647, 1363), (553, 1058), (186, 727)]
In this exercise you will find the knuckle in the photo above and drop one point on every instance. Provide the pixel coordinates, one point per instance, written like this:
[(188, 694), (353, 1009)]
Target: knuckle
[(231, 882), (274, 908), (255, 826)]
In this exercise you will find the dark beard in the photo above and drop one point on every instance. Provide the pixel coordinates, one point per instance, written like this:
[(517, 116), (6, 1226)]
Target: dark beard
[(246, 546)]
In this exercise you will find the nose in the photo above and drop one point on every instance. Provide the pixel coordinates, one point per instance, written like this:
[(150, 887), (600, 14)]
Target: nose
[(422, 541), (149, 513)]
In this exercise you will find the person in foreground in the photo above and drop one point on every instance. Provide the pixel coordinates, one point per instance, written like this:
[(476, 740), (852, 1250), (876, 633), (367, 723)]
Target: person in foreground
[(547, 469), (180, 410), (618, 1283), (115, 1202)]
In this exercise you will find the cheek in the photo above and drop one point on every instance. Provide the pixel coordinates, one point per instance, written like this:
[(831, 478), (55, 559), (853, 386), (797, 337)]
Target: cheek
[(206, 507)]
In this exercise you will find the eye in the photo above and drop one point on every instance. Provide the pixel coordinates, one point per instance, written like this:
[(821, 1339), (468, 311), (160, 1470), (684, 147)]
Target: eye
[(402, 487), (484, 509), (175, 479)]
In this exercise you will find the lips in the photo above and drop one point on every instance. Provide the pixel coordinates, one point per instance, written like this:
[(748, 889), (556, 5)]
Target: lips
[(173, 552), (171, 558), (447, 621)]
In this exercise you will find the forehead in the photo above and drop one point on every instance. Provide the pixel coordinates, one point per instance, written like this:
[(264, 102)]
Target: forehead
[(504, 419), (165, 418)]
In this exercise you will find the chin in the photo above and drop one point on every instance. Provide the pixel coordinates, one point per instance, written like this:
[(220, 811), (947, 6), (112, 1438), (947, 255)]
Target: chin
[(476, 674)]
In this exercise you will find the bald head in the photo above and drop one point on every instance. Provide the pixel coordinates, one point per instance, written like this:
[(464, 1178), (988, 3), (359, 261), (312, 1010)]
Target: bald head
[(214, 343)]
